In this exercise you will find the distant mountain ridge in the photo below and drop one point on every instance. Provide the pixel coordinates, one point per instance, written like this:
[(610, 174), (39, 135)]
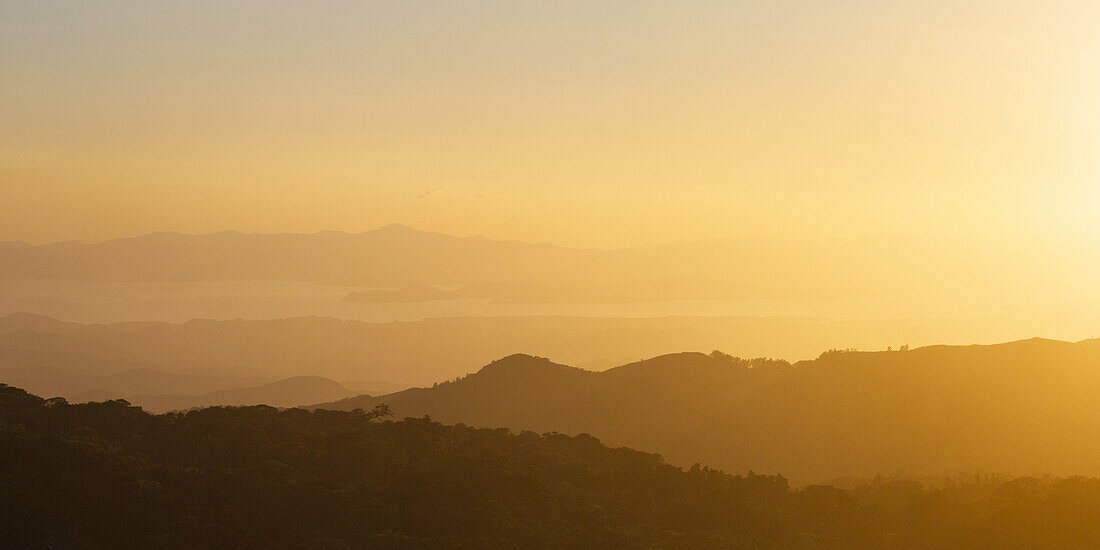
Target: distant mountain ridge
[(288, 392), (1021, 407), (636, 291), (97, 362), (1024, 407), (398, 255), (394, 254), (79, 378), (405, 354)]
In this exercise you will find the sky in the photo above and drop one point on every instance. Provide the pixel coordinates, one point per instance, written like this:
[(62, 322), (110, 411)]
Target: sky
[(592, 124)]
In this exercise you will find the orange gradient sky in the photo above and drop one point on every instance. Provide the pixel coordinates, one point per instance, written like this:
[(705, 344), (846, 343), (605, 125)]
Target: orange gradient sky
[(579, 123)]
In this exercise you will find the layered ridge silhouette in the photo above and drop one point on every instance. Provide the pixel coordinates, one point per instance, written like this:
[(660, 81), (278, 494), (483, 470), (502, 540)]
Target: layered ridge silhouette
[(388, 356), (397, 255), (1023, 407), (392, 255)]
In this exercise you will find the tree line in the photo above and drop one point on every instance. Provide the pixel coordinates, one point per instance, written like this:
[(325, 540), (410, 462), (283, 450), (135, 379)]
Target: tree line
[(109, 475)]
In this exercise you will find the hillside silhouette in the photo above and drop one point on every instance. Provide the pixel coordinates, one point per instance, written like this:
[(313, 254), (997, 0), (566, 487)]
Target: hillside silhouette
[(1024, 407), (108, 475), (382, 357)]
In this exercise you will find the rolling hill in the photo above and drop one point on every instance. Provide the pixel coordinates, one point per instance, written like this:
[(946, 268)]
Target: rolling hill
[(380, 356), (1023, 407)]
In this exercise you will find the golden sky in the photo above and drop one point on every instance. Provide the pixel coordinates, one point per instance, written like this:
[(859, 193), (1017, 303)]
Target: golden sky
[(580, 123)]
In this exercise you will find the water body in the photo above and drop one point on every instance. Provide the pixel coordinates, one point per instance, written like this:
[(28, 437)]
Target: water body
[(92, 302)]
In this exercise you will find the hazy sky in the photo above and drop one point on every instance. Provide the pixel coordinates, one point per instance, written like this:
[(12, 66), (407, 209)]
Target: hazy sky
[(582, 123)]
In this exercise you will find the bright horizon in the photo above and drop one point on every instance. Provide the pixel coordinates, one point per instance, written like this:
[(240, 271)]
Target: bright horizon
[(876, 160), (572, 123)]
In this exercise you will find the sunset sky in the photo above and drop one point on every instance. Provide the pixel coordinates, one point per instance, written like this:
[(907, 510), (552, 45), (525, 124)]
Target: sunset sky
[(578, 123)]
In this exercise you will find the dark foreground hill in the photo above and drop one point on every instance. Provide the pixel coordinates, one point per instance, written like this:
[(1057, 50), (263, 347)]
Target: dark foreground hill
[(108, 475), (1022, 407)]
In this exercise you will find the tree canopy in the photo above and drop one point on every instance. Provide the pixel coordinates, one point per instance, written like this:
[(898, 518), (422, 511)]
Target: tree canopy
[(109, 475)]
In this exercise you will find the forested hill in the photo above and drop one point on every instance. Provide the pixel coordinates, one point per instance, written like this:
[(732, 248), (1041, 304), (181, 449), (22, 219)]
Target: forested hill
[(108, 475), (1024, 407)]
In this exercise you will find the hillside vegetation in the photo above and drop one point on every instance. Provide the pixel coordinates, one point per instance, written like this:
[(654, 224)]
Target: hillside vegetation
[(108, 475)]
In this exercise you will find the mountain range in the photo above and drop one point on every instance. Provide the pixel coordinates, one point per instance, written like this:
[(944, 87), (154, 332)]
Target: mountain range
[(96, 362), (288, 392), (657, 290), (80, 378), (373, 357), (1023, 407), (397, 255)]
